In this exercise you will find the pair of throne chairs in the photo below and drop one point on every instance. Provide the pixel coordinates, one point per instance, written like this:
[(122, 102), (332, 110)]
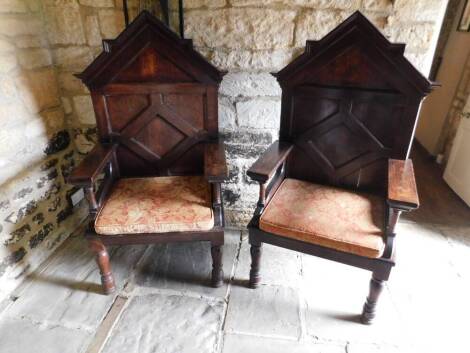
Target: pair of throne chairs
[(333, 186)]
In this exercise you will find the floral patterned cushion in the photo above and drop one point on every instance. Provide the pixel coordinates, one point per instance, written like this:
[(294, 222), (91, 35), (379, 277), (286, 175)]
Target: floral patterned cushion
[(157, 205), (322, 215)]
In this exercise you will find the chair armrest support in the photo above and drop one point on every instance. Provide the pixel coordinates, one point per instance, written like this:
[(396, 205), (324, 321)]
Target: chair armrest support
[(264, 168), (215, 164), (402, 191), (93, 164)]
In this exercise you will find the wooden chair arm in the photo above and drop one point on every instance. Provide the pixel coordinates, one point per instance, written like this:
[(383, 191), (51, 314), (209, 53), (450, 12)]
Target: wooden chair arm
[(263, 169), (93, 164), (402, 191), (215, 164)]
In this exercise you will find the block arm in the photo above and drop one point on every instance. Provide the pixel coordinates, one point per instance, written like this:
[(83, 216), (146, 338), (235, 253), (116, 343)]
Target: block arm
[(101, 159), (269, 172), (402, 196)]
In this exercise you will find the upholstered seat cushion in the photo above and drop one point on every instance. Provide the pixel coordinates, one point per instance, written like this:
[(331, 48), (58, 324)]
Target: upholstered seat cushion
[(156, 205), (331, 217)]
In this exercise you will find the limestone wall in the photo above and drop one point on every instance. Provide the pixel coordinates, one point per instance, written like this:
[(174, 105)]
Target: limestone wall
[(47, 122), (47, 117)]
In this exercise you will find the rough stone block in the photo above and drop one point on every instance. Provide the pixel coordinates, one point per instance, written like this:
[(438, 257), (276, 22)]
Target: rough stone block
[(244, 84), (330, 4), (66, 104), (84, 109), (53, 120), (259, 113), (239, 59), (248, 137), (92, 30), (13, 6), (72, 58), (158, 323), (193, 4), (421, 10), (6, 46), (31, 41), (69, 83), (38, 90), (266, 311), (8, 62), (241, 28), (187, 267), (97, 3), (418, 35), (314, 25), (13, 26), (111, 23), (21, 335), (379, 5), (227, 114), (63, 25), (35, 58)]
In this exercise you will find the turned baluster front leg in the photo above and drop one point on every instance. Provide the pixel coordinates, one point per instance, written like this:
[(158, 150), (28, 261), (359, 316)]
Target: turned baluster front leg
[(102, 259)]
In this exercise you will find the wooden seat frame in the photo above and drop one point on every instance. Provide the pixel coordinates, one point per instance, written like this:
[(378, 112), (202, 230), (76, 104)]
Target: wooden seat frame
[(327, 95), (155, 101)]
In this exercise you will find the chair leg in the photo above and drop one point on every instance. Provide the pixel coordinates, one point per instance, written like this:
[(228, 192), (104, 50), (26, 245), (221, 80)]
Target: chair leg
[(217, 272), (102, 259), (369, 310), (255, 277)]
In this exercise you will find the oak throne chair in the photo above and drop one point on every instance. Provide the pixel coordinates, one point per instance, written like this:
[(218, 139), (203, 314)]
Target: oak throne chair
[(159, 162), (335, 183)]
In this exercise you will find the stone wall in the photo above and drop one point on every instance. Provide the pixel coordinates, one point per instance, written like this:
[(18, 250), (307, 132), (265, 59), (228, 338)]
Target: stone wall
[(47, 122), (252, 38)]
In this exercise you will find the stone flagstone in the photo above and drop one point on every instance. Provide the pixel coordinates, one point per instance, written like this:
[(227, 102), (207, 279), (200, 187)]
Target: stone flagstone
[(187, 267), (69, 292), (23, 336), (266, 311), (170, 324)]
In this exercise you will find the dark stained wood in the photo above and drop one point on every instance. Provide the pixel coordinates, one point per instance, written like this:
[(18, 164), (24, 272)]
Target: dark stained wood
[(375, 288), (215, 164), (93, 164), (155, 101), (349, 105), (402, 191), (102, 259), (217, 272), (271, 159), (255, 252)]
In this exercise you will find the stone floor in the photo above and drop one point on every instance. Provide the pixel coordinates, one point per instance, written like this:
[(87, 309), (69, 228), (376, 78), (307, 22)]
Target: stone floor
[(304, 304)]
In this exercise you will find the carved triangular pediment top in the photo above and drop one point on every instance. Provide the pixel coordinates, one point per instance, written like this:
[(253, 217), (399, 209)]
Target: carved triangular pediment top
[(117, 49), (358, 26)]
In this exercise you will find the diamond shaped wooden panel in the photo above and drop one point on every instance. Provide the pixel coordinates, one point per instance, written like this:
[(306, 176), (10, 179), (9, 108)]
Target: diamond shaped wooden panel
[(159, 137)]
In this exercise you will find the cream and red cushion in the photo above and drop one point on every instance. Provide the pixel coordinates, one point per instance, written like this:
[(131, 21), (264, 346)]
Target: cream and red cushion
[(335, 218), (157, 205)]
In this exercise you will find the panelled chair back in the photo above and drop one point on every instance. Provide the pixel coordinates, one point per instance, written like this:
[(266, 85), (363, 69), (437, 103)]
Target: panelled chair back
[(339, 176), (159, 162)]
